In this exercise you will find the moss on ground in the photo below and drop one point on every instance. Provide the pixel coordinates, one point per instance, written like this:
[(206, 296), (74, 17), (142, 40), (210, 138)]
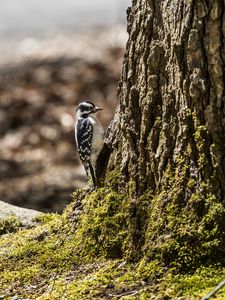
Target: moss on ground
[(9, 224), (121, 246), (92, 259)]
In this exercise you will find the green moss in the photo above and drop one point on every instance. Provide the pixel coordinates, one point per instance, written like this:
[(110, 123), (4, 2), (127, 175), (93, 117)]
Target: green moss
[(9, 224), (104, 210), (200, 137), (121, 246), (185, 235), (57, 260), (31, 254), (113, 180)]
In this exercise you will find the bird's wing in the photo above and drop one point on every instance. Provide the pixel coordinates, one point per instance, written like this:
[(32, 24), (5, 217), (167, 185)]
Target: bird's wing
[(84, 139)]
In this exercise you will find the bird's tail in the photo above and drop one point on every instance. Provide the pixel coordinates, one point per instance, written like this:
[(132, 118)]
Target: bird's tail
[(86, 167), (92, 171)]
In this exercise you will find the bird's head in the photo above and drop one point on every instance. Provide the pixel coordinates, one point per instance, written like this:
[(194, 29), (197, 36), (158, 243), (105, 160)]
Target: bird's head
[(86, 108)]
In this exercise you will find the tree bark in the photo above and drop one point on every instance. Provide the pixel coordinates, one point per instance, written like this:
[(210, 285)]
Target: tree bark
[(172, 93), (167, 136)]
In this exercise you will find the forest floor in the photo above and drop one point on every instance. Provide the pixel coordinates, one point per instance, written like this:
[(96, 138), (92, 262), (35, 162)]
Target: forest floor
[(47, 261)]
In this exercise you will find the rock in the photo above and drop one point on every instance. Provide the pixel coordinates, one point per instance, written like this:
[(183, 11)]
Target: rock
[(26, 216)]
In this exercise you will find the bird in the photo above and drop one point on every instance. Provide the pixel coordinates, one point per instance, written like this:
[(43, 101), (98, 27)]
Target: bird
[(89, 137)]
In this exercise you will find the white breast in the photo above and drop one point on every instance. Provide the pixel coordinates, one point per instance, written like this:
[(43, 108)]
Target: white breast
[(97, 139)]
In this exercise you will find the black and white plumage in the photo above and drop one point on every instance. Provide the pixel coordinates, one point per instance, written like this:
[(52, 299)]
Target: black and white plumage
[(89, 136)]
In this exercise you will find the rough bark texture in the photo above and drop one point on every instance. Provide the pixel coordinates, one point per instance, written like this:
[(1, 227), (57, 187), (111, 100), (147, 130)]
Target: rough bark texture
[(168, 132), (172, 93)]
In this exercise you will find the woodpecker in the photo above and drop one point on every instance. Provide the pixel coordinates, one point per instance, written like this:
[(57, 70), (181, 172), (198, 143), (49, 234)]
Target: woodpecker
[(89, 136)]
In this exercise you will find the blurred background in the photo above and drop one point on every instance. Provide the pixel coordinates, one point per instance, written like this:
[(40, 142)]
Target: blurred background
[(53, 55)]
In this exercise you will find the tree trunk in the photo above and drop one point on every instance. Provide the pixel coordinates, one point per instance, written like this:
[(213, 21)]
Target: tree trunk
[(167, 136)]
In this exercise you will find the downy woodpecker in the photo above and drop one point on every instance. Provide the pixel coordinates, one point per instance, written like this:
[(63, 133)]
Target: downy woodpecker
[(89, 136)]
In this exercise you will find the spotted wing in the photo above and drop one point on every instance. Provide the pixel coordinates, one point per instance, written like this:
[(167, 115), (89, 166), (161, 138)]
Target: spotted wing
[(84, 133)]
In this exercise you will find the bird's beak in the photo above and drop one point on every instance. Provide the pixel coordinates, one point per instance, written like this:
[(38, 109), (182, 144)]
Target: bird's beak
[(97, 109)]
